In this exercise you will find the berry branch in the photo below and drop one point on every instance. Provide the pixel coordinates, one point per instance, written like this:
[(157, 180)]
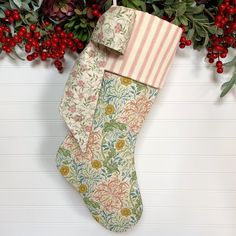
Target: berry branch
[(46, 30)]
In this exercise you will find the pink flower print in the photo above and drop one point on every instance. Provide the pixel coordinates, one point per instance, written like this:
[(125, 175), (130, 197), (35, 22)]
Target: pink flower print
[(69, 94), (101, 19), (100, 36), (81, 96), (78, 155), (83, 67), (102, 63), (93, 147), (110, 194), (92, 98), (70, 142), (118, 27), (74, 73), (91, 53), (134, 113), (112, 9), (80, 83), (88, 129), (72, 108), (78, 118)]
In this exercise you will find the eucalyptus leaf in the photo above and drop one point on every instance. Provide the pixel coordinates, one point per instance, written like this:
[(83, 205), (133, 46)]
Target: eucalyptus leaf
[(190, 33), (2, 14), (183, 20), (180, 9), (18, 3), (228, 85), (231, 63), (12, 4), (198, 9)]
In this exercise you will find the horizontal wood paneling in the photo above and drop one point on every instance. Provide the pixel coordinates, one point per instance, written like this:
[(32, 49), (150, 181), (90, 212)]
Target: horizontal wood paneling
[(185, 155)]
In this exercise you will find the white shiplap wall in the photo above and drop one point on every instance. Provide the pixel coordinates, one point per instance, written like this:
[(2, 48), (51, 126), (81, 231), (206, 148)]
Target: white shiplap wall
[(185, 156)]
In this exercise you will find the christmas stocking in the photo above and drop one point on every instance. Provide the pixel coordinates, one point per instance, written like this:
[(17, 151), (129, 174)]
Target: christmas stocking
[(109, 93)]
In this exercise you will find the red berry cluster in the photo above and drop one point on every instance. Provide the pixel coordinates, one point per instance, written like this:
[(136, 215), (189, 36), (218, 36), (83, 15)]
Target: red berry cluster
[(40, 42), (183, 40), (219, 44), (8, 42), (96, 10), (11, 15), (52, 45)]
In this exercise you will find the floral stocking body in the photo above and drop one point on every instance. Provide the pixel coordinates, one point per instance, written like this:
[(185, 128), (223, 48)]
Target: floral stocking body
[(105, 174), (108, 94)]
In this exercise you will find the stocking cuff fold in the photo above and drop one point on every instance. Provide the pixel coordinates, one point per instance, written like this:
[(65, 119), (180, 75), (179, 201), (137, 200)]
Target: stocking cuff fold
[(147, 52), (126, 42)]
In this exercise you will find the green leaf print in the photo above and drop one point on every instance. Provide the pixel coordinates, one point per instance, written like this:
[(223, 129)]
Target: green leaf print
[(91, 203), (112, 125)]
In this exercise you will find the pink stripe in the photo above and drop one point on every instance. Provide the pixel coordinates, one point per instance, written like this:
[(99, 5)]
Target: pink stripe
[(170, 60), (160, 84), (157, 54), (158, 29), (131, 43), (108, 56), (113, 63), (144, 39), (167, 53)]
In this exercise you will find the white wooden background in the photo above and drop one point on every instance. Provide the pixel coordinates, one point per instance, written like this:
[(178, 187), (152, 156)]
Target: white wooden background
[(185, 156)]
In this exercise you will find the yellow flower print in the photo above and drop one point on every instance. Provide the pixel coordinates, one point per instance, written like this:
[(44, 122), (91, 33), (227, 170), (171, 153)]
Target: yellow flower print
[(125, 81), (125, 212), (96, 218), (64, 170), (83, 188), (109, 110), (120, 144), (96, 164)]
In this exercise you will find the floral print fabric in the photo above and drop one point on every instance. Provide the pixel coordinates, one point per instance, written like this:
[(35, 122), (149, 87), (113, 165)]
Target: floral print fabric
[(114, 28), (81, 93), (105, 174)]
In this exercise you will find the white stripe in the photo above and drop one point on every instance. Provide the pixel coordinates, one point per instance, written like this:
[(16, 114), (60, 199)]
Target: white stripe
[(164, 70), (154, 52), (136, 45), (161, 54), (145, 47)]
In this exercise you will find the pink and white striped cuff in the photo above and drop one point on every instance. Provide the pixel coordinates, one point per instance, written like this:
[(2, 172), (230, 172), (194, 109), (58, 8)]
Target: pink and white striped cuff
[(150, 51)]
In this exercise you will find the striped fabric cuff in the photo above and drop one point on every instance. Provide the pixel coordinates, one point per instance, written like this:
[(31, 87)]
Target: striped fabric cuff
[(150, 51)]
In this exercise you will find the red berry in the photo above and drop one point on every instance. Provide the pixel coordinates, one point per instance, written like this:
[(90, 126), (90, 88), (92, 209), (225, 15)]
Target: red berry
[(23, 29), (219, 63), (80, 45), (95, 13), (58, 28), (33, 27), (16, 17), (8, 12), (211, 60), (8, 50), (183, 39), (11, 19), (36, 34), (15, 11), (7, 30), (188, 42), (71, 35), (29, 57), (223, 55), (220, 70)]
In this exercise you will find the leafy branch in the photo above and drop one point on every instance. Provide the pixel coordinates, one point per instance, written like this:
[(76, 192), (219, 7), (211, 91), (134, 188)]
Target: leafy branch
[(229, 84)]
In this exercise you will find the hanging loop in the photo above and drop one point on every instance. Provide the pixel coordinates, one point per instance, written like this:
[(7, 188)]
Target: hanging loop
[(114, 2)]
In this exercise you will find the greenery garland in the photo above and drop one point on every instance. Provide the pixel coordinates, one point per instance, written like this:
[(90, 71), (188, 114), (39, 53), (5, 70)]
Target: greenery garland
[(46, 30)]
